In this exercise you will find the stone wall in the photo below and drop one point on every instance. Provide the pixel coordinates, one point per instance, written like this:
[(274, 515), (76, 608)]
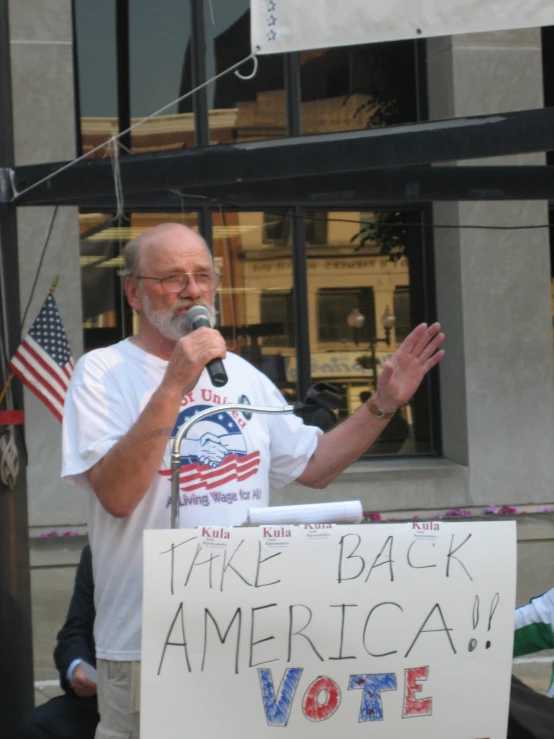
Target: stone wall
[(44, 127)]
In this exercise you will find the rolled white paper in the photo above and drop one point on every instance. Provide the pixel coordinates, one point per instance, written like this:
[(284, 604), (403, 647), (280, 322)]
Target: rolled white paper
[(349, 511)]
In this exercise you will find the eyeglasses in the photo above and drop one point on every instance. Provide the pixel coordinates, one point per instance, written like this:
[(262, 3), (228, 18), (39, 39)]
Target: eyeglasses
[(205, 281)]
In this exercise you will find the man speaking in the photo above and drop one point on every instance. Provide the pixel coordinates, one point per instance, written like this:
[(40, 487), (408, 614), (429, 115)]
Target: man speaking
[(124, 405)]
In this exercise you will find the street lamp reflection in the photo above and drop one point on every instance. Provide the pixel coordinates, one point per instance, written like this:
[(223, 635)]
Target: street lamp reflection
[(356, 321)]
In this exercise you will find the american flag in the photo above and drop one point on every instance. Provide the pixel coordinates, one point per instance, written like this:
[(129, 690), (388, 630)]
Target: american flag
[(197, 476), (43, 360)]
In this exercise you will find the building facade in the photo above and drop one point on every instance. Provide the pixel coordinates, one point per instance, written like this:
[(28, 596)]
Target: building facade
[(322, 291)]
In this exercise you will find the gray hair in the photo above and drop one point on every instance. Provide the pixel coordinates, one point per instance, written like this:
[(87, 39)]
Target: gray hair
[(131, 250), (131, 258)]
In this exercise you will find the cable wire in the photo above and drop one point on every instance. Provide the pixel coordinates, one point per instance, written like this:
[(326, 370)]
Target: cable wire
[(285, 212), (17, 195)]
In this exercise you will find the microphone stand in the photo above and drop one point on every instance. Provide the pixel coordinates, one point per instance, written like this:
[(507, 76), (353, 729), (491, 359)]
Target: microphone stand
[(298, 407)]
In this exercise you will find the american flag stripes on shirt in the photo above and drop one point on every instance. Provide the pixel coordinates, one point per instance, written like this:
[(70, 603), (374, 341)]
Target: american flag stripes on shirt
[(201, 477), (43, 360)]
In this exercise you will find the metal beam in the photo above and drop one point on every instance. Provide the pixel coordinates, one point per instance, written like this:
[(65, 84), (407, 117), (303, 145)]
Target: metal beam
[(123, 66), (200, 101), (301, 313), (409, 185), (301, 156)]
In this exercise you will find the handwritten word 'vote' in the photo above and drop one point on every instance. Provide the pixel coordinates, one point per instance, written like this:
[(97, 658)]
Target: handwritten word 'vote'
[(323, 696)]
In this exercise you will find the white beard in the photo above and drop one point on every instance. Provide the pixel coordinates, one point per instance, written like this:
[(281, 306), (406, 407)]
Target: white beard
[(171, 324)]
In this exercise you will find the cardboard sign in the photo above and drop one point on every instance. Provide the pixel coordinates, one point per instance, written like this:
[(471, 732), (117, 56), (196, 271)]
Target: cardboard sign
[(401, 630)]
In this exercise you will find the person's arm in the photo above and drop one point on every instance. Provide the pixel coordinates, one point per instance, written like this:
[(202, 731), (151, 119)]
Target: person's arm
[(75, 640), (122, 477), (533, 625), (401, 376)]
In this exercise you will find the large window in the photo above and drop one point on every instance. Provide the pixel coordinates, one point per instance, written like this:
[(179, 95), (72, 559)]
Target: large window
[(342, 89), (323, 288), (158, 62)]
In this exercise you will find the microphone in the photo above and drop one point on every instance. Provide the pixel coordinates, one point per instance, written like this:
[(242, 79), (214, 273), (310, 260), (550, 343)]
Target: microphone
[(199, 316)]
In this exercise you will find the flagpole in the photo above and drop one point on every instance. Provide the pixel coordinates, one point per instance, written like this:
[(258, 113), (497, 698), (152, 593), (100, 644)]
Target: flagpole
[(8, 382), (6, 386)]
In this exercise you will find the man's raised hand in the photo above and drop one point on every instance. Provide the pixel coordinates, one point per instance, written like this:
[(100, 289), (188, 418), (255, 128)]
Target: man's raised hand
[(403, 373)]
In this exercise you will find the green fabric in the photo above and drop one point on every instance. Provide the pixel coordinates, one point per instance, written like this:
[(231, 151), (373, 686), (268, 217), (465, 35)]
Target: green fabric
[(533, 638)]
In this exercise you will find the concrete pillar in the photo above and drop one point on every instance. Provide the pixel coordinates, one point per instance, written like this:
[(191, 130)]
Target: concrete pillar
[(493, 287), (44, 122)]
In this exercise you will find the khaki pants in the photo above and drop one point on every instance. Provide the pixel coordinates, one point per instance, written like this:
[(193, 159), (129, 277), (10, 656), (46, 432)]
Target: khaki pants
[(118, 700)]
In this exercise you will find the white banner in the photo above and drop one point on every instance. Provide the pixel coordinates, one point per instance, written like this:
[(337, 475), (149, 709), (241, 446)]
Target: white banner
[(293, 25), (319, 630)]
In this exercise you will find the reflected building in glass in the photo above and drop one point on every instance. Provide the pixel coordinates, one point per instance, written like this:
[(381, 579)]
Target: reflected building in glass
[(369, 260)]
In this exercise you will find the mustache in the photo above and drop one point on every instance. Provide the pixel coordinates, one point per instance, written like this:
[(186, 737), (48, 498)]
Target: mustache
[(180, 303), (186, 303)]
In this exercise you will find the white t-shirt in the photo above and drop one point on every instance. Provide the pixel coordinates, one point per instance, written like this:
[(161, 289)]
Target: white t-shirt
[(229, 461)]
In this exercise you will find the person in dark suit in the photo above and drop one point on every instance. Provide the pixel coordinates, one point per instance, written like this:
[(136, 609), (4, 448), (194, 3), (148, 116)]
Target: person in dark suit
[(531, 713), (74, 714)]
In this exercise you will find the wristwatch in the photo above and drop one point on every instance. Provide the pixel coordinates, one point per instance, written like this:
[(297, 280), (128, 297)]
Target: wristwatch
[(379, 412)]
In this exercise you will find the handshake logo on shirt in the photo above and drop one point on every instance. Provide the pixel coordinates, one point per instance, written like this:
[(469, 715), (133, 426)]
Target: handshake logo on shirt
[(212, 452), (215, 454), (217, 445)]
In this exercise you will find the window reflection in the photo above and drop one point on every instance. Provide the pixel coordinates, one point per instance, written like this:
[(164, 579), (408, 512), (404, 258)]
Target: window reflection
[(99, 261), (276, 308), (160, 71), (343, 88), (361, 305), (401, 310), (106, 316), (255, 297), (353, 270), (333, 304), (365, 282), (97, 69), (241, 110), (353, 87)]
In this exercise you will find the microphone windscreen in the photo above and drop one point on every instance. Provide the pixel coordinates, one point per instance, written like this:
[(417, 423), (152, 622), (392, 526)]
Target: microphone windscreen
[(197, 316)]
